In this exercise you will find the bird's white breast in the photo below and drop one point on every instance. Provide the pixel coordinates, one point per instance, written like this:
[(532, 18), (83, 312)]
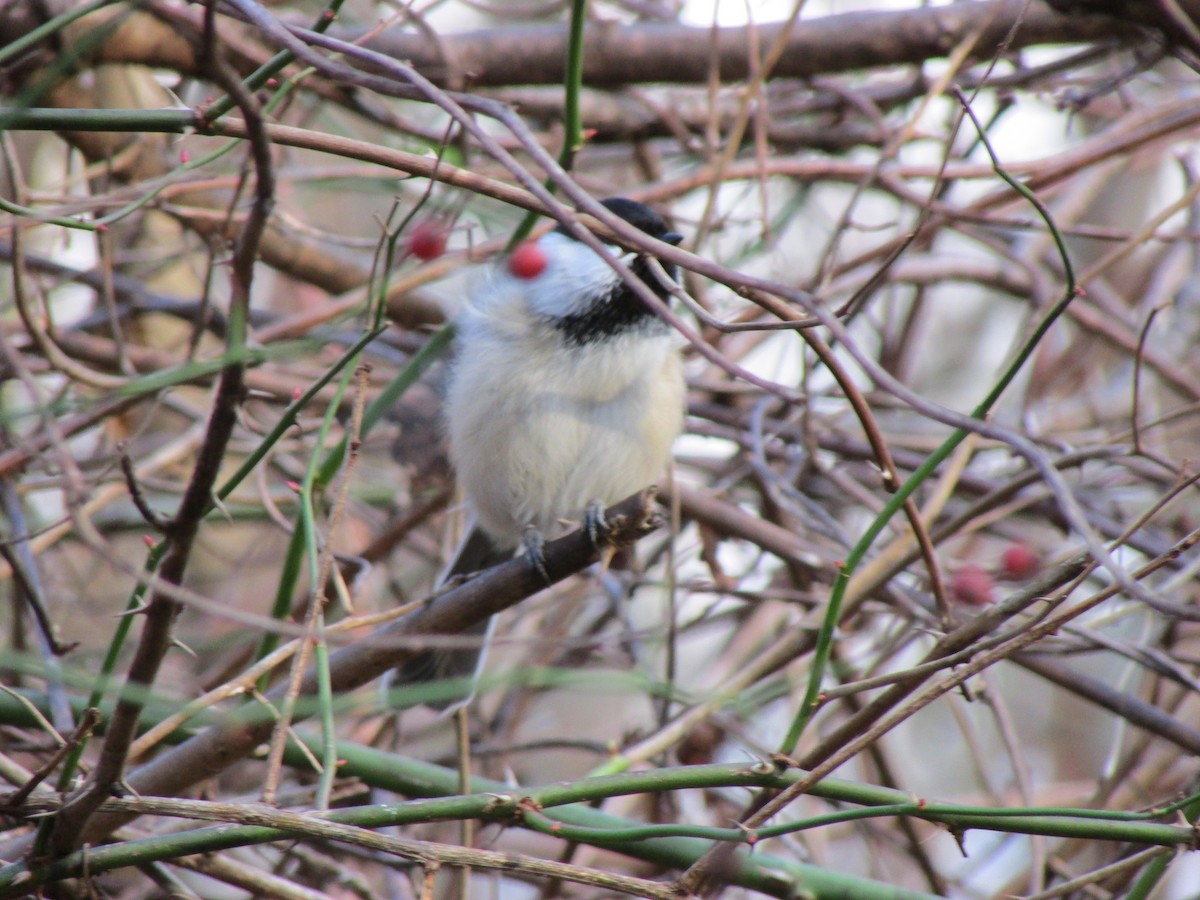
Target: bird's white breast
[(539, 426)]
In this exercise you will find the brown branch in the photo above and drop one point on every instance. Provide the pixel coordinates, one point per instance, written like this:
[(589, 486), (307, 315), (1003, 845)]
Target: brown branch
[(1175, 20), (883, 456), (875, 719), (88, 720), (153, 518), (328, 828), (617, 55), (1123, 705), (160, 612), (351, 667), (668, 52)]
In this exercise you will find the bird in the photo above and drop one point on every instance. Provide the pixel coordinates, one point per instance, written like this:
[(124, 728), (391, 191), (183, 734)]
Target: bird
[(565, 394)]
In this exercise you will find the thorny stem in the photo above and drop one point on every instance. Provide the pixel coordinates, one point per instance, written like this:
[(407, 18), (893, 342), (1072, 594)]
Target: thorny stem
[(160, 610)]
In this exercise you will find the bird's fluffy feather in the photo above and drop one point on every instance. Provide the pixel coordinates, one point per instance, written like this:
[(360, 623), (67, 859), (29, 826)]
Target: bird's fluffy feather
[(539, 426), (564, 390)]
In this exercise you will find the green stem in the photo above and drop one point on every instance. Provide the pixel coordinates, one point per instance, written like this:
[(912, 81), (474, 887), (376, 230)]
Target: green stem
[(103, 680), (572, 110), (571, 805), (39, 34), (573, 86), (824, 647), (272, 67), (387, 399)]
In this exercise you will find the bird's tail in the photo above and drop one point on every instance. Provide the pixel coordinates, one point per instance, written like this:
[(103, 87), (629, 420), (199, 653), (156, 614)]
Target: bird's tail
[(476, 553)]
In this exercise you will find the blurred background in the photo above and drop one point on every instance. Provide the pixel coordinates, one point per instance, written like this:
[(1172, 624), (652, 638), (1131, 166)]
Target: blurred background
[(815, 157)]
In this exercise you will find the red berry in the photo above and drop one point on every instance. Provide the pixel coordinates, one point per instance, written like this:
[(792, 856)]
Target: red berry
[(427, 240), (1020, 562), (528, 260), (972, 586)]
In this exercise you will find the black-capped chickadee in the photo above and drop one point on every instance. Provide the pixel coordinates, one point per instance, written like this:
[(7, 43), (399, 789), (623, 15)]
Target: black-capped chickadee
[(566, 390)]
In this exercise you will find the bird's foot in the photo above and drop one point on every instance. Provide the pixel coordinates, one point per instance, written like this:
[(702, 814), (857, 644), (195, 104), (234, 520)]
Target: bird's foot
[(534, 552), (596, 524), (598, 530)]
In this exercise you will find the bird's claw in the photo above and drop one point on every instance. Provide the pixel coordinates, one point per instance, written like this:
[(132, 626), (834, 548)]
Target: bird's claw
[(596, 524), (598, 530), (534, 543)]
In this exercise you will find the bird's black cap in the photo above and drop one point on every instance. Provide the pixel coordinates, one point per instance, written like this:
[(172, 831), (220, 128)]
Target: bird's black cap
[(640, 216), (618, 310)]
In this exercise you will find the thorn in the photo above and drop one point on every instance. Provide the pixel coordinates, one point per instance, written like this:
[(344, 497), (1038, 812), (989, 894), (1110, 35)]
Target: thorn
[(220, 507), (606, 557), (126, 790), (751, 836)]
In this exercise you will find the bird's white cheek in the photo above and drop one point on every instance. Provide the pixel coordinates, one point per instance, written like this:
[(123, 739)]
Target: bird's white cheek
[(572, 277)]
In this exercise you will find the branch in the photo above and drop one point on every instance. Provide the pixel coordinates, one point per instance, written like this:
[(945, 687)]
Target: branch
[(351, 667), (1175, 20), (617, 55), (668, 52), (161, 610)]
